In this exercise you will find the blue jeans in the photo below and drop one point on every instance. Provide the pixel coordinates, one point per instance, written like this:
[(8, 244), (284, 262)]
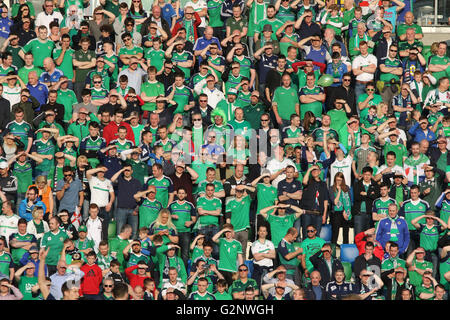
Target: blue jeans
[(124, 216), (307, 219), (184, 240), (361, 222), (209, 232), (360, 88)]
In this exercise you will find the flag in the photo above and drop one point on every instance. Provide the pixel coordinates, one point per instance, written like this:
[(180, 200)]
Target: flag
[(76, 218)]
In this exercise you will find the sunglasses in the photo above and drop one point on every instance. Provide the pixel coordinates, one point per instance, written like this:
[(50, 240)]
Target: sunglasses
[(347, 80), (196, 120), (107, 286), (151, 192), (97, 82), (264, 120), (310, 231), (243, 270), (129, 24), (188, 13), (370, 89), (67, 175), (203, 100), (280, 288), (393, 50)]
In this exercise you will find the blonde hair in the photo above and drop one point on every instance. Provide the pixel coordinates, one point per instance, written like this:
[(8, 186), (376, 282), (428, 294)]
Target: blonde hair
[(36, 211), (379, 109), (40, 179), (82, 158), (158, 220)]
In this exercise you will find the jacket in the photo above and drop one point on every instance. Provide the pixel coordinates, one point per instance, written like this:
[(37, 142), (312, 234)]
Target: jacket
[(311, 295), (320, 265), (383, 233), (90, 283), (144, 29), (4, 113), (25, 211), (31, 228), (361, 263), (26, 258), (405, 191), (337, 291), (110, 131), (135, 280), (373, 192)]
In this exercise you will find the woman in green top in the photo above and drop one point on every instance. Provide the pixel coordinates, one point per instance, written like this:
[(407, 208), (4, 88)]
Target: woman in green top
[(310, 122), (341, 213), (37, 226), (138, 13), (164, 223)]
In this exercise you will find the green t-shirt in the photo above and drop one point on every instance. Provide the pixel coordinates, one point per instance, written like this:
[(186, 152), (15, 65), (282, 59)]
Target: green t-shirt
[(184, 211), (117, 245), (275, 24), (17, 253), (66, 65), (44, 148), (25, 285), (286, 99), (68, 99), (414, 277), (151, 90), (214, 13), (228, 253), (412, 211), (40, 50), (156, 58), (279, 225), (163, 186), (400, 152), (386, 77), (24, 71), (266, 196), (24, 175), (223, 296), (240, 213), (310, 247), (184, 56), (314, 107), (392, 263), (209, 205), (80, 55), (55, 242)]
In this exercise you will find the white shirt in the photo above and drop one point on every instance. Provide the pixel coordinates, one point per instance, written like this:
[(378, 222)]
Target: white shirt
[(361, 61), (11, 94), (275, 165), (214, 96), (100, 191), (8, 225), (265, 247), (394, 169), (344, 166), (44, 19), (198, 6), (401, 136), (94, 233)]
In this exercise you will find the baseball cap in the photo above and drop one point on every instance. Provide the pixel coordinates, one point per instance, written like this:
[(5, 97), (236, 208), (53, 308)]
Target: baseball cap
[(232, 91), (82, 228), (341, 146), (3, 165), (33, 249), (267, 27)]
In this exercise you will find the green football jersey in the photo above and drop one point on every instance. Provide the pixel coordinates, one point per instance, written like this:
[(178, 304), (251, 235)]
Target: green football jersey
[(184, 56), (67, 98), (22, 130), (266, 196), (24, 175), (184, 211), (314, 107), (40, 50), (279, 226), (411, 211), (151, 89), (54, 241), (286, 99), (17, 253), (164, 186), (44, 148), (148, 212), (210, 205), (183, 95), (66, 65), (228, 254), (156, 57), (214, 13), (240, 213)]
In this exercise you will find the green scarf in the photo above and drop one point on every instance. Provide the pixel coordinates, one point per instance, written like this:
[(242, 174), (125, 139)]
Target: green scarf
[(394, 229), (190, 33), (365, 38)]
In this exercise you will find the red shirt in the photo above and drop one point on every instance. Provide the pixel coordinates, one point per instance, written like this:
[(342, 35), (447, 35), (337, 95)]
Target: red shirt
[(110, 131), (135, 279), (92, 279)]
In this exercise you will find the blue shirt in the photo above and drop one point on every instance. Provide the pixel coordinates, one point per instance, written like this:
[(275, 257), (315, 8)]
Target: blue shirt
[(126, 189), (419, 135), (54, 77), (5, 26), (202, 43), (289, 187), (70, 199), (265, 65), (40, 92), (168, 12)]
